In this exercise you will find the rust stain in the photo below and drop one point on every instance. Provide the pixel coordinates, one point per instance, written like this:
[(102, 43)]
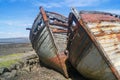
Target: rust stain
[(59, 24), (44, 30), (59, 31), (89, 17), (118, 37), (114, 71), (105, 28), (43, 14), (61, 62)]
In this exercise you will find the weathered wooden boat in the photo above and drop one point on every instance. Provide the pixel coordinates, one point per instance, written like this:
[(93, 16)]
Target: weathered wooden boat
[(48, 38), (94, 44)]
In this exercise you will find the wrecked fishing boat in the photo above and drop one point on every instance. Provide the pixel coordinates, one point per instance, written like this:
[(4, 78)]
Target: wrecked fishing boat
[(94, 44), (48, 38)]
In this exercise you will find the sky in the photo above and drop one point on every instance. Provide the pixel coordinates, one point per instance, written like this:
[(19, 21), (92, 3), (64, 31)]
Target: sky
[(17, 15)]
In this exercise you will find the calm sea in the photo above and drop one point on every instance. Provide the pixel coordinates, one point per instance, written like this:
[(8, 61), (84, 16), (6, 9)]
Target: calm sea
[(14, 40)]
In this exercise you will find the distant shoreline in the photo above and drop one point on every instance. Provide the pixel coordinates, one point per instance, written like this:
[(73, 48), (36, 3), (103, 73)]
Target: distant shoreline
[(14, 40), (6, 49)]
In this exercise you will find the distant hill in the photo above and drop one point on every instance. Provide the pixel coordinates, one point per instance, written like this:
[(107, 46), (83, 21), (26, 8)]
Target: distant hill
[(14, 40)]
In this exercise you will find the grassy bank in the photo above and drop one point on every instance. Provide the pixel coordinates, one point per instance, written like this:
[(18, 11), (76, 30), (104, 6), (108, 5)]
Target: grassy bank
[(7, 60), (11, 53)]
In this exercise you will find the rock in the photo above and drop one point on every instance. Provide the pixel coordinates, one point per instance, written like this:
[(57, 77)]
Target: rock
[(13, 73), (2, 78), (9, 75), (31, 62), (37, 59), (18, 66), (13, 66), (3, 69), (27, 69), (26, 62), (6, 75), (23, 72), (31, 57), (21, 63)]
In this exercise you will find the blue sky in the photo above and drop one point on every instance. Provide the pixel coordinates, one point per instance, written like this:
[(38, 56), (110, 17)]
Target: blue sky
[(16, 15)]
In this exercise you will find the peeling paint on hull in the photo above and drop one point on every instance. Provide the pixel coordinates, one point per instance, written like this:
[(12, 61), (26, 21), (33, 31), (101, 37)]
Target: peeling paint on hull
[(46, 44), (94, 45)]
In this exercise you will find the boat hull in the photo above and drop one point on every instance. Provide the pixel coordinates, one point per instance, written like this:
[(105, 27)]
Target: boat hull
[(47, 45), (86, 58), (47, 51), (92, 55)]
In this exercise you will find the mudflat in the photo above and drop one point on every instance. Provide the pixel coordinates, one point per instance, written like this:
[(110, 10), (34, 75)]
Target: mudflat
[(20, 50), (6, 49)]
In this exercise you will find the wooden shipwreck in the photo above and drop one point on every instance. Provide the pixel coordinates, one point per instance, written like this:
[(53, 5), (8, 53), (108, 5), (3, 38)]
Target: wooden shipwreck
[(94, 44), (48, 38)]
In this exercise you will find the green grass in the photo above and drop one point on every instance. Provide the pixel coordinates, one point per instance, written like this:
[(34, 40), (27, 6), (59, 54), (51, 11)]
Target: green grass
[(8, 60), (11, 55), (7, 63)]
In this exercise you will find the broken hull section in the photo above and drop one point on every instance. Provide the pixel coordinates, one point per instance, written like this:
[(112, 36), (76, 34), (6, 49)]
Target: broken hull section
[(92, 51), (46, 45)]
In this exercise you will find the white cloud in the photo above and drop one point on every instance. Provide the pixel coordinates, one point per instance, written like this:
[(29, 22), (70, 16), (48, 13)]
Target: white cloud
[(63, 3), (16, 23), (47, 5), (114, 11), (69, 3), (81, 3), (12, 28), (27, 25), (84, 3)]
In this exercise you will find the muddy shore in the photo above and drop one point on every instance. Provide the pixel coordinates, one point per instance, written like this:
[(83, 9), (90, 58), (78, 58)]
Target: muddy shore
[(38, 72), (6, 49)]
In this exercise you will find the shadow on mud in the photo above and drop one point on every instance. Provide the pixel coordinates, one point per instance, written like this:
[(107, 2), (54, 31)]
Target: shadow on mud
[(73, 74)]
